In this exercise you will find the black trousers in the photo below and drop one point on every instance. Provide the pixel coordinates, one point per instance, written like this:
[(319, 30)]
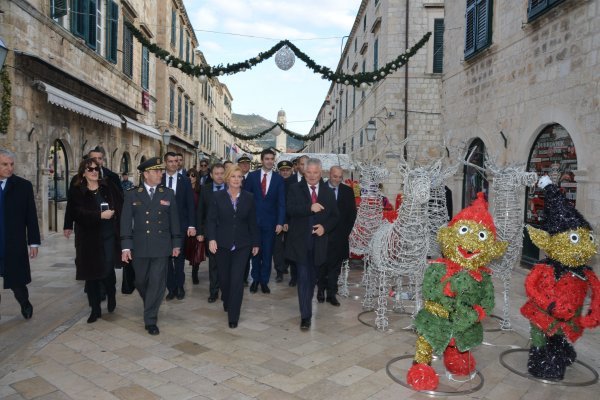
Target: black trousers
[(281, 266), (328, 275), (213, 275), (95, 287), (21, 294), (307, 279), (176, 270), (232, 264)]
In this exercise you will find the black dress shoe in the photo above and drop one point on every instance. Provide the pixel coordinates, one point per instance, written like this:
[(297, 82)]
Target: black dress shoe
[(212, 299), (152, 329), (195, 279), (333, 301), (180, 293), (170, 296), (111, 304), (279, 277), (233, 325), (265, 288), (320, 295), (292, 283), (254, 287), (93, 317), (27, 310), (305, 324)]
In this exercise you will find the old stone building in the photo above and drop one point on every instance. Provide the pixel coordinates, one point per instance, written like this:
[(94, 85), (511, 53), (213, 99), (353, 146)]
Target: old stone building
[(522, 85), (79, 79), (405, 103)]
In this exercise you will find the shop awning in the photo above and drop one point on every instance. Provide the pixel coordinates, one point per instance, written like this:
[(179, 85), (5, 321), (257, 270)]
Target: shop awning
[(144, 129), (65, 100)]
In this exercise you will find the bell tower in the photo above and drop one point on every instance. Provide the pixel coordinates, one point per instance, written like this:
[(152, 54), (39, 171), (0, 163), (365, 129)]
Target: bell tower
[(280, 136)]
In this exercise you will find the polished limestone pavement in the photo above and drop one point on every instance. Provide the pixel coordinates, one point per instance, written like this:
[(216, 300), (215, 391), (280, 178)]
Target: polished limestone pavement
[(57, 355)]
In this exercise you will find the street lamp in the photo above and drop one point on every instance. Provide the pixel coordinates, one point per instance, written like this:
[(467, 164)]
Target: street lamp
[(166, 138), (371, 130), (3, 53)]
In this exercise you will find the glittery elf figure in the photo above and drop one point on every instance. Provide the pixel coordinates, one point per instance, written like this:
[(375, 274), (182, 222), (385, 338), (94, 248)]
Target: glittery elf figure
[(458, 293), (557, 287)]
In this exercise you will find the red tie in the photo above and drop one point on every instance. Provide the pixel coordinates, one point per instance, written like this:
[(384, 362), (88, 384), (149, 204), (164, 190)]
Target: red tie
[(313, 195), (263, 185)]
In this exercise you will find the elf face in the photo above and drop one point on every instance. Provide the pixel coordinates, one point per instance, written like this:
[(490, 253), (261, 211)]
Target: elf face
[(572, 248), (469, 244)]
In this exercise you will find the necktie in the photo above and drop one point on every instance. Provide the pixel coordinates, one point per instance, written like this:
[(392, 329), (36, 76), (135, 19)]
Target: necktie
[(313, 195), (335, 192), (219, 187), (170, 182), (263, 185), (151, 193)]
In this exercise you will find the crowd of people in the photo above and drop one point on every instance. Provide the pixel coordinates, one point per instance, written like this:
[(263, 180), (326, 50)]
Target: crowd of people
[(245, 223)]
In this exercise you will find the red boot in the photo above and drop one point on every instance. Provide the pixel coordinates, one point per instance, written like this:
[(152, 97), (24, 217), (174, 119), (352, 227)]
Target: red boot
[(458, 363), (422, 377)]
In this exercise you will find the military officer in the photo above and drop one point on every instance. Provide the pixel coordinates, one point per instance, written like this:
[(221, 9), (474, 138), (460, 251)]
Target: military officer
[(150, 234)]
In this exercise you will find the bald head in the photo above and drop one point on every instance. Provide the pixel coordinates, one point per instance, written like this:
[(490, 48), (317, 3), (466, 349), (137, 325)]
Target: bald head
[(336, 174)]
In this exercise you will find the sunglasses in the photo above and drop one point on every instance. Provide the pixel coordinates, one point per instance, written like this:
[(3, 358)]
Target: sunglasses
[(204, 165), (192, 176), (92, 169)]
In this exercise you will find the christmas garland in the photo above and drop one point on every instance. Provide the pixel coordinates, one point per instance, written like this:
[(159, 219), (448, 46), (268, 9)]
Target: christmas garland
[(6, 100), (295, 135), (362, 79), (246, 151)]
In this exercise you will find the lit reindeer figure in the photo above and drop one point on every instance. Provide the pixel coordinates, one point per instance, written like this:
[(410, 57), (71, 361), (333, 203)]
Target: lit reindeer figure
[(399, 250), (368, 219)]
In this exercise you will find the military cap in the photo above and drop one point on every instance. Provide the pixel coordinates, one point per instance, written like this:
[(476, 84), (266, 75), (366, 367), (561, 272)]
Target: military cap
[(285, 164), (150, 164), (244, 158)]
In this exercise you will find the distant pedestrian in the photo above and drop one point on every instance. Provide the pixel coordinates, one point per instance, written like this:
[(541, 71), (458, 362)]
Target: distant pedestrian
[(194, 250), (126, 184)]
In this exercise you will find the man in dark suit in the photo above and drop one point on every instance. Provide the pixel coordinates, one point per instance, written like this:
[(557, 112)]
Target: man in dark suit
[(300, 166), (204, 172), (150, 234), (180, 167), (284, 169), (338, 247), (269, 196), (18, 230), (182, 186), (206, 194), (244, 162), (313, 214)]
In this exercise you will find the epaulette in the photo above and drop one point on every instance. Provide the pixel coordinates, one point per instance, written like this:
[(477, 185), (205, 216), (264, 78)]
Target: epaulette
[(140, 189), (161, 189)]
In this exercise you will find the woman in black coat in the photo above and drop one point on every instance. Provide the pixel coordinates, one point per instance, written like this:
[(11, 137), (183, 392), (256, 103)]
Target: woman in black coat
[(96, 205), (232, 234)]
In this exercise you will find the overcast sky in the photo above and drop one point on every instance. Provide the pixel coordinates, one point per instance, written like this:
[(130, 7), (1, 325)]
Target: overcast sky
[(266, 89)]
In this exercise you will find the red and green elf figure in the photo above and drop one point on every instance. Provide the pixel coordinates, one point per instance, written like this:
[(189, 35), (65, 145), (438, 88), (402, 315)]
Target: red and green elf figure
[(557, 287), (458, 294)]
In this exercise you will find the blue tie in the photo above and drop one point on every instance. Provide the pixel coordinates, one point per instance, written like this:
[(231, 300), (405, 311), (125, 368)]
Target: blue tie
[(170, 182)]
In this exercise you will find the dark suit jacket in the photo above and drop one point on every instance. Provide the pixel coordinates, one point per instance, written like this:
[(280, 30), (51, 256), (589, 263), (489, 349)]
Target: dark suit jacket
[(206, 194), (185, 201), (300, 228), (339, 246), (228, 226), (20, 230), (270, 210)]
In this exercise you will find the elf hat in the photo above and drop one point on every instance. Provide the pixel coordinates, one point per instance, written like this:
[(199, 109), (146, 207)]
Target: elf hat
[(559, 214), (476, 212)]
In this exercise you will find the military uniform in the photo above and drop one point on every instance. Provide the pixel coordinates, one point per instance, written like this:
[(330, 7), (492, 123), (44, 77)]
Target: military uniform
[(150, 229)]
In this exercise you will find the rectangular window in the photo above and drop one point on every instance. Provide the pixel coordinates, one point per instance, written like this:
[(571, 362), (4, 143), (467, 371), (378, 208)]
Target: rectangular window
[(127, 51), (352, 144), (376, 55), (179, 109), (365, 23), (353, 98), (538, 7), (193, 54), (145, 67), (346, 104), (173, 28), (187, 50), (355, 44), (58, 8), (172, 103), (364, 68), (192, 119), (112, 30), (478, 26), (186, 115), (438, 46), (181, 41), (344, 148), (83, 20)]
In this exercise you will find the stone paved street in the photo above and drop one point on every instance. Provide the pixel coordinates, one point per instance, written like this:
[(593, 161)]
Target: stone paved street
[(57, 355)]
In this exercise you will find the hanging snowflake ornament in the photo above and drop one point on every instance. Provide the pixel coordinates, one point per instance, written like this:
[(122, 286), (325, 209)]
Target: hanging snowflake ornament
[(285, 58)]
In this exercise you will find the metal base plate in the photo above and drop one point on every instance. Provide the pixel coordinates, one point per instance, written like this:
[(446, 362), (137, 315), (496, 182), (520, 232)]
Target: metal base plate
[(362, 318)]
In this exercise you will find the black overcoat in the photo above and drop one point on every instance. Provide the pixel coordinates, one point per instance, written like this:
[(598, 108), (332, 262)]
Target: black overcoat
[(339, 247)]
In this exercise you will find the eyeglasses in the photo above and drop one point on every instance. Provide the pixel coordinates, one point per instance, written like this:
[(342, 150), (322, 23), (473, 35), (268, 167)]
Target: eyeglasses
[(92, 169), (204, 165)]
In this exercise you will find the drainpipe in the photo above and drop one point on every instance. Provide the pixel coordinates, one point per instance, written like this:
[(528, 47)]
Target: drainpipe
[(406, 82)]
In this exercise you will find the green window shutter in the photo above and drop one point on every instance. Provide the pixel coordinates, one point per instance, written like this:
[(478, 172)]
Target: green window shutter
[(484, 12), (127, 51), (78, 17), (376, 55), (173, 28), (112, 30), (538, 7), (191, 119), (470, 28), (145, 67), (172, 104), (187, 50), (438, 45), (181, 41), (179, 110), (90, 37), (58, 8)]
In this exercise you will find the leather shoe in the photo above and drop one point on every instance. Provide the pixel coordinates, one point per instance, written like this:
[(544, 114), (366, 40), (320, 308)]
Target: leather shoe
[(27, 310), (152, 329), (305, 324), (233, 325), (111, 303), (170, 296), (93, 317), (254, 287), (279, 277), (212, 299), (180, 293), (292, 283), (320, 295), (265, 288), (333, 301)]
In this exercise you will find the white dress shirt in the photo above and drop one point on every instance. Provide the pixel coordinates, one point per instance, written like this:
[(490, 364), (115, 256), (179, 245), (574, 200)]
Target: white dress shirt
[(269, 175), (167, 176)]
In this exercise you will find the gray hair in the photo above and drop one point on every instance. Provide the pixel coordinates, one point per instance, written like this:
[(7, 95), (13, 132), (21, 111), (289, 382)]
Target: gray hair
[(314, 161), (8, 153)]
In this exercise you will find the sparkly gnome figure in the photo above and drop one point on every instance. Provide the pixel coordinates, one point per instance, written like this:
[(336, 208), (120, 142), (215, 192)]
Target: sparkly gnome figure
[(458, 294), (557, 287)]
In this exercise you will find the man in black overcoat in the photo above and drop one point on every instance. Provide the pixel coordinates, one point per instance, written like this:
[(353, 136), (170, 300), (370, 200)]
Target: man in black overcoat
[(312, 214), (18, 230), (338, 248)]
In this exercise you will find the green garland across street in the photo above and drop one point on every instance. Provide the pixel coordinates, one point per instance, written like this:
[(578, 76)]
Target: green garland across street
[(295, 135), (361, 79), (6, 100)]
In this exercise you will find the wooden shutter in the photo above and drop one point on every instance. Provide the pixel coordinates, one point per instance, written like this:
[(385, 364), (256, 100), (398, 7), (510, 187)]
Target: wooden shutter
[(127, 51), (483, 24), (78, 17), (173, 28), (112, 30), (90, 36), (470, 28), (376, 55), (59, 8), (438, 45), (145, 67)]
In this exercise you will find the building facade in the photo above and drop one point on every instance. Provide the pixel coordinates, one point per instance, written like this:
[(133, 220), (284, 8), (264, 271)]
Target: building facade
[(405, 104), (522, 85), (79, 79)]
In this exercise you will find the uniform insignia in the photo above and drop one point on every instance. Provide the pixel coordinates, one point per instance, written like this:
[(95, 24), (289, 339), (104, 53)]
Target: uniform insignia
[(137, 203), (165, 203), (140, 189), (161, 189)]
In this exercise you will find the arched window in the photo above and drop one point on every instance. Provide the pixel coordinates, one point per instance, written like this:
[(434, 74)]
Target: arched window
[(474, 181)]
